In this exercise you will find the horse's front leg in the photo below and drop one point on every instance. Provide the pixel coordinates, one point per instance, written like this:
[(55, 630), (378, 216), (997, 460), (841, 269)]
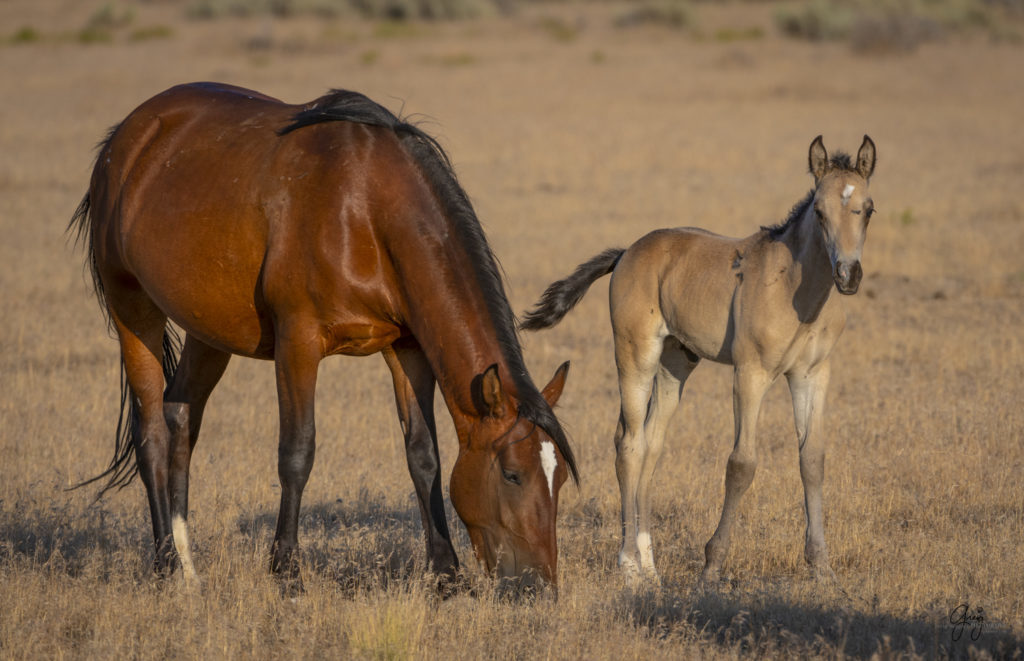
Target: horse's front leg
[(808, 388), (297, 358), (750, 383), (414, 396)]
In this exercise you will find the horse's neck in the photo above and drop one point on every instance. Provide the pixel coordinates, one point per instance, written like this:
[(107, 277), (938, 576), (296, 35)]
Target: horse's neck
[(813, 281), (448, 314)]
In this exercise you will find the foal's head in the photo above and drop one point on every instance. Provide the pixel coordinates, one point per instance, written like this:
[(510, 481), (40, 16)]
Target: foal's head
[(843, 208), (505, 485)]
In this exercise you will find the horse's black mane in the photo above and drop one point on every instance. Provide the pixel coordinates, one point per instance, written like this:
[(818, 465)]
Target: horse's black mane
[(838, 161), (343, 105)]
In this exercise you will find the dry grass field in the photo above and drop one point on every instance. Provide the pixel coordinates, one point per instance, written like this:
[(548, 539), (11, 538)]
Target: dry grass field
[(571, 134)]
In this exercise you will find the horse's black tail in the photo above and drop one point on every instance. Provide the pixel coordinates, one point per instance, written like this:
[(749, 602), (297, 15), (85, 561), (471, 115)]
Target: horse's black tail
[(562, 296), (123, 467)]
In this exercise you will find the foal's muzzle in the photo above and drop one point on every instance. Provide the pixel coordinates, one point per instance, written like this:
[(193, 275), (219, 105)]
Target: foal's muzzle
[(847, 276)]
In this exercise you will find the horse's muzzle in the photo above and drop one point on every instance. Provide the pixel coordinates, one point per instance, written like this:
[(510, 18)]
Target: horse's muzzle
[(847, 276)]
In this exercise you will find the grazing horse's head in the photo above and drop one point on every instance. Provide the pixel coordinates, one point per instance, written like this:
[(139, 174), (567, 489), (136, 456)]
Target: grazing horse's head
[(505, 484), (843, 208)]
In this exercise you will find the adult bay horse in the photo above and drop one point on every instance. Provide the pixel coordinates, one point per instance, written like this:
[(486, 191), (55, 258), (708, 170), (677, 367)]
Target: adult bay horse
[(763, 304), (291, 233)]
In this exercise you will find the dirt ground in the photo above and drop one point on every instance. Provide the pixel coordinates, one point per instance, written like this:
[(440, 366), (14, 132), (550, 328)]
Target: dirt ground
[(570, 135)]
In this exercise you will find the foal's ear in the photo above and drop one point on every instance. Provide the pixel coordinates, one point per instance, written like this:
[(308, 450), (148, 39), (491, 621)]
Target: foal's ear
[(488, 394), (866, 158), (553, 390), (817, 159)]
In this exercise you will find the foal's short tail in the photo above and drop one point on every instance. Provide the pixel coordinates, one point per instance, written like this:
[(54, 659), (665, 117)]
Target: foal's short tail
[(562, 296)]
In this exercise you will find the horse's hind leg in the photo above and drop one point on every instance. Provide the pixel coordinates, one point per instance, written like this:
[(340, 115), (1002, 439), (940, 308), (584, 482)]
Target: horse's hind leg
[(749, 386), (808, 390), (636, 356), (414, 396), (672, 373), (140, 329), (199, 370)]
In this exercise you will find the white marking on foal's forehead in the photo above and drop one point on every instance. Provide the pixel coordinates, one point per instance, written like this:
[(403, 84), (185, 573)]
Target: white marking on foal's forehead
[(549, 463), (847, 192)]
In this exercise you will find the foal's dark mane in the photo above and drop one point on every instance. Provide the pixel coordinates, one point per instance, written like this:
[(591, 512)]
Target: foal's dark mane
[(346, 106), (838, 161)]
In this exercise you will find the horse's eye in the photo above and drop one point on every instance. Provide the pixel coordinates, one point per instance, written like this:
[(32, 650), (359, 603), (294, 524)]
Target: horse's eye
[(511, 477)]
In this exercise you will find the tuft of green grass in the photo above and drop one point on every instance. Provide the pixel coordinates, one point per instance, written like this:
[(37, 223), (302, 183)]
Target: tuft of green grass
[(369, 57), (393, 29), (110, 17), (558, 29), (674, 14), (907, 217), (26, 35), (94, 35), (151, 32), (730, 35)]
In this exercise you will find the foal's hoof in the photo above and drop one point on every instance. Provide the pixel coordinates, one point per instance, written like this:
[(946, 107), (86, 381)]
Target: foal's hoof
[(651, 577), (824, 574), (710, 580)]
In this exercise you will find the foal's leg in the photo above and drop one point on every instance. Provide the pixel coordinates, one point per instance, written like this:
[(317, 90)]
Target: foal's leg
[(199, 370), (140, 328), (296, 359), (672, 373), (414, 396), (636, 357), (749, 386), (808, 390)]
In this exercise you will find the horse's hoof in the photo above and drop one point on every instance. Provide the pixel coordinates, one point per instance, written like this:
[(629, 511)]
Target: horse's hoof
[(292, 587), (453, 585)]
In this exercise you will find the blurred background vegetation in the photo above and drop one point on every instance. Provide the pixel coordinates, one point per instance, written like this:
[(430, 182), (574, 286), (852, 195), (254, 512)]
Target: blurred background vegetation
[(866, 25)]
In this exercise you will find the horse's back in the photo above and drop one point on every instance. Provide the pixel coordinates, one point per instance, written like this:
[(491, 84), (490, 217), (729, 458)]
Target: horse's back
[(228, 225), (681, 280)]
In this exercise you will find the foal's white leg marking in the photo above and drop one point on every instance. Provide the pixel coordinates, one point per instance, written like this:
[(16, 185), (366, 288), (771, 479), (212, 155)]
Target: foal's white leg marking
[(549, 463), (847, 192), (179, 531)]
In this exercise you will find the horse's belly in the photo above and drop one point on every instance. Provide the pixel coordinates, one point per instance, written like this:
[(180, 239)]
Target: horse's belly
[(233, 326)]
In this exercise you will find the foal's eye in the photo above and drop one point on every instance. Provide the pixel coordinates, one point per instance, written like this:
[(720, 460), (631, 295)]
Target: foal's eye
[(511, 477)]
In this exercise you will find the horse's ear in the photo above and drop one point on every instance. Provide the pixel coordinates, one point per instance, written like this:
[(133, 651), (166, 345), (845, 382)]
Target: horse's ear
[(866, 158), (817, 159), (490, 398), (553, 390)]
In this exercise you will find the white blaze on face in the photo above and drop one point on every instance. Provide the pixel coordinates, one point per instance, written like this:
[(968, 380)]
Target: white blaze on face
[(847, 192), (549, 464)]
